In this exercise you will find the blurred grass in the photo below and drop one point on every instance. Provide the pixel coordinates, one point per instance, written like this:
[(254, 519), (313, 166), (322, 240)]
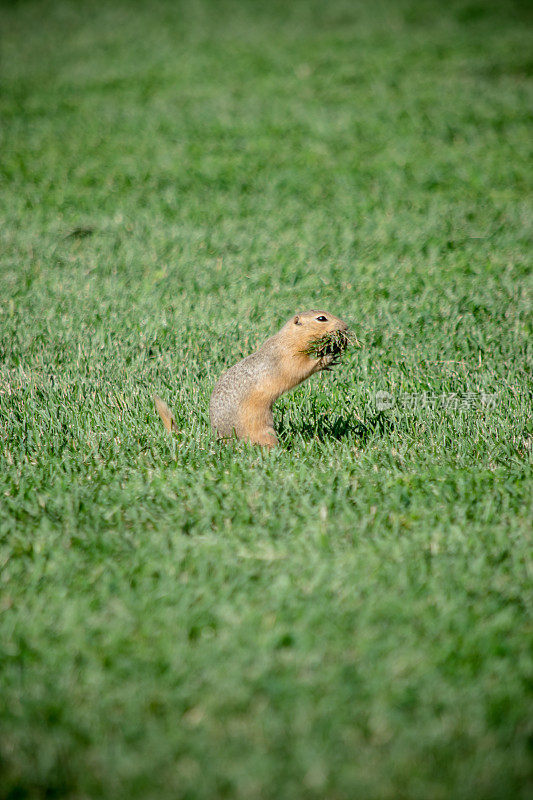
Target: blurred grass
[(349, 616)]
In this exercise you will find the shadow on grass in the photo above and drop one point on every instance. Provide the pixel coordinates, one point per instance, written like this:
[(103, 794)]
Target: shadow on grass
[(327, 427)]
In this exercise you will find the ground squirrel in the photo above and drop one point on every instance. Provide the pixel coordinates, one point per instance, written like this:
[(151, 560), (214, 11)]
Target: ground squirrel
[(241, 402)]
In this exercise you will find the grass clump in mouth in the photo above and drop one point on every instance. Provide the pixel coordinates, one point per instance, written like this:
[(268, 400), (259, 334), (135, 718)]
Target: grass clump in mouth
[(331, 345)]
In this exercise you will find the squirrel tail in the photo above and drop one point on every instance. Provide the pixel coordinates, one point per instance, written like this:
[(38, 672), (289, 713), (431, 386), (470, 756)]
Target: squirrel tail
[(166, 414)]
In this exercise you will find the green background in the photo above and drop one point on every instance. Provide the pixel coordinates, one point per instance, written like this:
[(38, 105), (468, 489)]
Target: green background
[(348, 616)]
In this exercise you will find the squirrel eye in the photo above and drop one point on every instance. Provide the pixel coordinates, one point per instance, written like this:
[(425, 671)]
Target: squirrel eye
[(321, 319)]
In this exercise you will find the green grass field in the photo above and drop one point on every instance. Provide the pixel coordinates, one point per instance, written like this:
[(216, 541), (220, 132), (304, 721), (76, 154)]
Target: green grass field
[(347, 617)]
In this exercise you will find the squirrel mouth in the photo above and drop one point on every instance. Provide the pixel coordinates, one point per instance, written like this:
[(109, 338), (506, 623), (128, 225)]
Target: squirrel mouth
[(331, 345)]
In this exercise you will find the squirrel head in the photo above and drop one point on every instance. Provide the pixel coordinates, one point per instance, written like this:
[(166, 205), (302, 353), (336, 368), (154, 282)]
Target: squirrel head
[(319, 338), (314, 324)]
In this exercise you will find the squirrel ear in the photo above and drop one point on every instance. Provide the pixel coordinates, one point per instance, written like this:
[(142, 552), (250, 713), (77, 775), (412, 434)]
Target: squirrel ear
[(296, 320)]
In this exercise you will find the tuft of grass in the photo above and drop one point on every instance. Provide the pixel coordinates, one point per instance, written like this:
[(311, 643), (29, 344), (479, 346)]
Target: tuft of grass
[(349, 615), (330, 346)]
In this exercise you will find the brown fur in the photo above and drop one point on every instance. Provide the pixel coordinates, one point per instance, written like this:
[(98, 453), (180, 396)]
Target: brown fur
[(166, 414)]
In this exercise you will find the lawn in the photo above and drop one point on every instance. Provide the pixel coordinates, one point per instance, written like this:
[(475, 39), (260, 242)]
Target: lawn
[(347, 617)]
